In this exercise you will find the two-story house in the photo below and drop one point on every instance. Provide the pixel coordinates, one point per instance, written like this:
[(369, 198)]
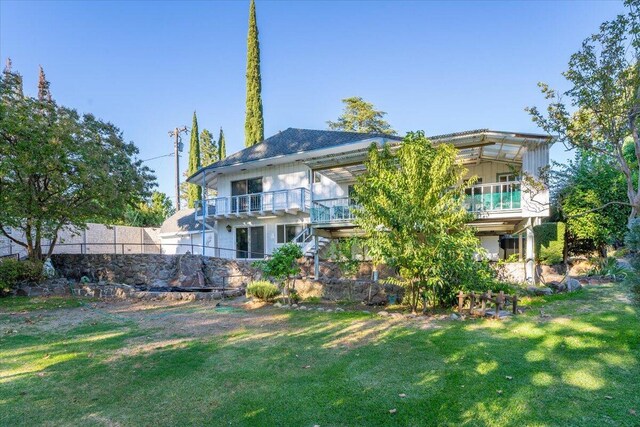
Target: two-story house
[(295, 185)]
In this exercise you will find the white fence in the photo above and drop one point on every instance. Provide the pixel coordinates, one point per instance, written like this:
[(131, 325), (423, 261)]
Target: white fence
[(95, 239)]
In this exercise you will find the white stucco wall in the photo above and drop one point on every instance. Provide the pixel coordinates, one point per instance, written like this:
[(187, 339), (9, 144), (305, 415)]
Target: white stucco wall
[(492, 246), (227, 240)]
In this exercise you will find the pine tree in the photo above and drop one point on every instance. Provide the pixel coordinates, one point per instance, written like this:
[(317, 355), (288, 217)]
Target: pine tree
[(208, 148), (194, 193), (254, 122), (222, 147), (44, 93)]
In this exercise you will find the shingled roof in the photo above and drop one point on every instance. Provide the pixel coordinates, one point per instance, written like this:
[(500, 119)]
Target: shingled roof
[(295, 140), (183, 221)]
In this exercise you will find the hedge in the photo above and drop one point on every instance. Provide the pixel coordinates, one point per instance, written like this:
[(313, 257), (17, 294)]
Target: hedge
[(13, 272), (549, 242)]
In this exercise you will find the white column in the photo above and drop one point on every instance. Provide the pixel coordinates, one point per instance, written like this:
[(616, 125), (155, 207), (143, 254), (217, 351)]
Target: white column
[(316, 259), (529, 255)]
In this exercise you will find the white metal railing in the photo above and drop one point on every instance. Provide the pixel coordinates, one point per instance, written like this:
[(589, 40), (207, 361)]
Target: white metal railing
[(340, 209), (303, 237), (269, 201), (493, 197)]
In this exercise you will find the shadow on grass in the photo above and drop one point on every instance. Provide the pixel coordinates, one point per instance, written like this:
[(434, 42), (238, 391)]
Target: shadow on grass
[(301, 368)]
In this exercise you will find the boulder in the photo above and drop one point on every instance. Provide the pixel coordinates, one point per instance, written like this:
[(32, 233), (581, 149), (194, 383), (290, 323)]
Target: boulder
[(572, 285), (190, 271), (539, 291), (557, 286)]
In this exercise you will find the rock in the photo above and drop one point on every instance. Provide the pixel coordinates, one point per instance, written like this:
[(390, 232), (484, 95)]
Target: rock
[(328, 310), (411, 315), (383, 313), (294, 305), (277, 305), (339, 310), (320, 309), (454, 316), (572, 285), (366, 311), (302, 307), (539, 291)]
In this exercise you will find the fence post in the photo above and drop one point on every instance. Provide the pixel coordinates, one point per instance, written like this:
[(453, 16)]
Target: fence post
[(515, 304), (460, 302), (122, 248)]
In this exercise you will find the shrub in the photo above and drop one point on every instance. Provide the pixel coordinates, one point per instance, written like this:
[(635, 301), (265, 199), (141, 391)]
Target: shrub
[(262, 289), (283, 267), (549, 242), (608, 268), (632, 238), (12, 272)]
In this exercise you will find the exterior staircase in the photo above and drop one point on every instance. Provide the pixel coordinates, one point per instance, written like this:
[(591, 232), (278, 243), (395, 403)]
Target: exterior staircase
[(306, 242)]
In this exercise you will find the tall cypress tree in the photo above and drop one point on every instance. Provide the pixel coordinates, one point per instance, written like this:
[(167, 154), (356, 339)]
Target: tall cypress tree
[(222, 147), (208, 148), (193, 192), (254, 123), (44, 93)]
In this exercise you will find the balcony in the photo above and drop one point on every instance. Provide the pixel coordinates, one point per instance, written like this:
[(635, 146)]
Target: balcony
[(484, 199), (333, 211), (259, 204)]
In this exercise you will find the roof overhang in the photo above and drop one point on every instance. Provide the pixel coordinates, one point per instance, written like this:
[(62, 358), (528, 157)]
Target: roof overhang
[(209, 175)]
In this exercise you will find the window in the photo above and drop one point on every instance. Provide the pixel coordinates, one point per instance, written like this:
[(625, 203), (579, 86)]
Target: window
[(314, 176), (246, 187), (507, 177), (287, 232), (510, 244)]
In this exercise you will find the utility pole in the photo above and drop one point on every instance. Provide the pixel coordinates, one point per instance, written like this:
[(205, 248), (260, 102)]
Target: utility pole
[(177, 147)]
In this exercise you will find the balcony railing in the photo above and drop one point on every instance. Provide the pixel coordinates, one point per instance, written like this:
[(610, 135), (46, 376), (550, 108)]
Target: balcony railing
[(493, 197), (297, 199), (333, 210), (480, 198)]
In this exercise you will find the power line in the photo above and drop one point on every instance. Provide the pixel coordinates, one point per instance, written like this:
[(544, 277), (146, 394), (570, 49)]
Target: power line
[(159, 157)]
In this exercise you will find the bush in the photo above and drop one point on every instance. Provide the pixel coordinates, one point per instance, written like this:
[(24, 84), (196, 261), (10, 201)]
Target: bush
[(632, 238), (608, 268), (12, 272), (549, 242), (262, 289)]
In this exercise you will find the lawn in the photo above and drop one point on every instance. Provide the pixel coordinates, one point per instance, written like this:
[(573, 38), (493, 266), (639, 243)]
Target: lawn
[(569, 360)]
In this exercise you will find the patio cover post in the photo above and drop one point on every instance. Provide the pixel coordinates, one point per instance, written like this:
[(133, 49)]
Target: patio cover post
[(316, 259), (204, 209)]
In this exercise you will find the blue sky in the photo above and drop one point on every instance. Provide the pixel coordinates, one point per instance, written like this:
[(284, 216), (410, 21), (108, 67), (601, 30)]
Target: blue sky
[(436, 66)]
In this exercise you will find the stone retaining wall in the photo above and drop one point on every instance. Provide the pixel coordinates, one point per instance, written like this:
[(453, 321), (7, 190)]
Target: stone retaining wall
[(63, 287), (155, 270), (368, 291)]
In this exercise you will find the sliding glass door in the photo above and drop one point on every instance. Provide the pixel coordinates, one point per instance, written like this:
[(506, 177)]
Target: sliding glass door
[(250, 242)]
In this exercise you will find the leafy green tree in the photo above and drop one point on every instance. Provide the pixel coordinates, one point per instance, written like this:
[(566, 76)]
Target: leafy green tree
[(58, 168), (360, 116), (605, 92), (413, 218), (283, 267), (222, 146), (150, 213), (581, 188), (194, 192), (208, 148), (254, 122), (11, 83)]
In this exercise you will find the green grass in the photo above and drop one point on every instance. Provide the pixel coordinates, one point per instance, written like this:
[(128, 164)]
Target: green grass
[(275, 367)]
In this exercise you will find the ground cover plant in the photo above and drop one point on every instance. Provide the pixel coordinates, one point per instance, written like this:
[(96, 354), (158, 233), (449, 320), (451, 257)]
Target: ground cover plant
[(570, 359)]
